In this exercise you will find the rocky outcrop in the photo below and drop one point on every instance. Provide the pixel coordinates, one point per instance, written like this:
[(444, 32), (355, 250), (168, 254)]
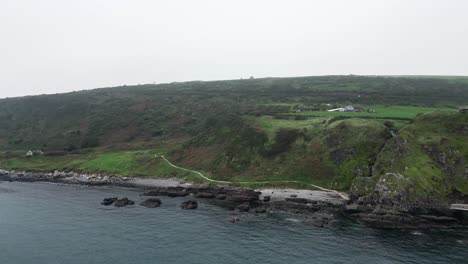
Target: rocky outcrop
[(205, 195), (394, 203), (151, 203), (63, 177)]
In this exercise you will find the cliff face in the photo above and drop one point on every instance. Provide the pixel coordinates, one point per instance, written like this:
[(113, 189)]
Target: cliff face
[(423, 166)]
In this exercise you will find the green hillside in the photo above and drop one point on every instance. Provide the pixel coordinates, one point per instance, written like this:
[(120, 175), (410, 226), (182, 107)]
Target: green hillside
[(274, 129)]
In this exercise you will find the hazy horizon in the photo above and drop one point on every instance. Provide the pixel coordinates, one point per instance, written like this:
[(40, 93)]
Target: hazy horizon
[(213, 80), (55, 46)]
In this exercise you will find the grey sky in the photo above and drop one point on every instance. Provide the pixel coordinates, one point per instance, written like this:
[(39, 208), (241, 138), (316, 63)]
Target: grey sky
[(51, 46)]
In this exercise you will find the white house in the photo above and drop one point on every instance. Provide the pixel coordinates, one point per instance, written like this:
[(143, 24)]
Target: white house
[(348, 108), (341, 109), (29, 153)]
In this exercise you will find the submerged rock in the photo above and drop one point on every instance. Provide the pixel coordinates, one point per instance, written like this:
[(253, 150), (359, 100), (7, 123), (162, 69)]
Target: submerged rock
[(190, 204), (245, 207), (123, 202), (260, 210), (109, 201), (151, 202), (320, 219), (233, 219)]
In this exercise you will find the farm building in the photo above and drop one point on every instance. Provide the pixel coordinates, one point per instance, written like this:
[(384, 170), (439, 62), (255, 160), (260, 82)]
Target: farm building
[(348, 108), (463, 109)]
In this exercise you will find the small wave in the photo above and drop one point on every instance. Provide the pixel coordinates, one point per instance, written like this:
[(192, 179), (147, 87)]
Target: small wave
[(417, 233), (294, 220)]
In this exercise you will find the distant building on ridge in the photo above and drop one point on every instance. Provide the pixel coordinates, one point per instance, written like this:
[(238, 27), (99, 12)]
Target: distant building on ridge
[(348, 108)]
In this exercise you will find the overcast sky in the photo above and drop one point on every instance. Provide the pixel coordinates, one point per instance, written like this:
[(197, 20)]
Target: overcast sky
[(51, 46)]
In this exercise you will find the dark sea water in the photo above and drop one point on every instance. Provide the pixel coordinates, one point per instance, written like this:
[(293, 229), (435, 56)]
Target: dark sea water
[(48, 223)]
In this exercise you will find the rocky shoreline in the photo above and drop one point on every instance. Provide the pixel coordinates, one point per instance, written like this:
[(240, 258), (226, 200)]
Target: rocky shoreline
[(317, 208)]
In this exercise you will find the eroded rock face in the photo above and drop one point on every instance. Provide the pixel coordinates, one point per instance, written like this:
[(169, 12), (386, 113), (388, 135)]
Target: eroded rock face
[(151, 203), (190, 204), (449, 159)]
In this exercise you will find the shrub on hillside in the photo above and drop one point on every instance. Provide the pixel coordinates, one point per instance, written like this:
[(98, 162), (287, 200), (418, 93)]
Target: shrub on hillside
[(389, 124), (283, 139)]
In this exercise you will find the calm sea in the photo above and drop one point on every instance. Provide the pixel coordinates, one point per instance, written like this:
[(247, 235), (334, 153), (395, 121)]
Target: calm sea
[(49, 223)]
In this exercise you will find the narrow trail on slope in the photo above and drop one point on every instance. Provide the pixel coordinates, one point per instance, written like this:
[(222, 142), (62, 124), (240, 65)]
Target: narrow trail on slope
[(342, 195)]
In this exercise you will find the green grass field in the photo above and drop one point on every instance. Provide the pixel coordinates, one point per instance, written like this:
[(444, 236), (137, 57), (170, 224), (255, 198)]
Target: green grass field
[(387, 112), (127, 163)]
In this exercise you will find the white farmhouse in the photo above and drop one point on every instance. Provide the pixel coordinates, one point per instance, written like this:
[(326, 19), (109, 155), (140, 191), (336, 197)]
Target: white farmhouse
[(348, 108)]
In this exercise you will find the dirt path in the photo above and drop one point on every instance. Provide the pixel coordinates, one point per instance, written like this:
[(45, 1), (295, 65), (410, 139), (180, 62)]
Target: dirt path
[(342, 195)]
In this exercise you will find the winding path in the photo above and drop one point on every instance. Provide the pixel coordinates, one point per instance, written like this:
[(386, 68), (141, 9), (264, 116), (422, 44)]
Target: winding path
[(342, 195)]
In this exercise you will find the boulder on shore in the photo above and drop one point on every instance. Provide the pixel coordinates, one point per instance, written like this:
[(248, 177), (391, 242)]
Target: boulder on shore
[(109, 201), (266, 198), (190, 204), (123, 202), (151, 203)]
